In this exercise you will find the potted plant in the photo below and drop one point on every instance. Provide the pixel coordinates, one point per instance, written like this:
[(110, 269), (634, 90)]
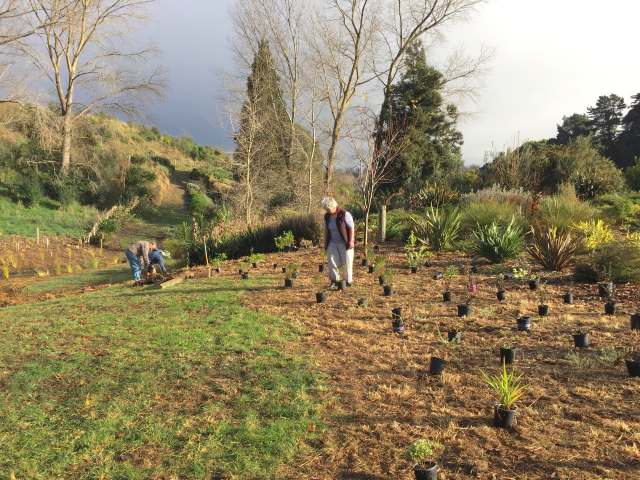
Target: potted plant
[(378, 262), (635, 321), (501, 295), (454, 334), (580, 339), (254, 258), (633, 364), (437, 363), (388, 282), (291, 272), (509, 389), (543, 308), (507, 353), (534, 280), (368, 251), (464, 309), (524, 323), (321, 293), (568, 296), (217, 261), (449, 274), (397, 323), (418, 453), (471, 284), (342, 284), (605, 285), (413, 255), (285, 241), (609, 303)]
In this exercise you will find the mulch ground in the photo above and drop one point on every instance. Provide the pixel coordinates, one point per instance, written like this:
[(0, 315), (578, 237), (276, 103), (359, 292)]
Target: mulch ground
[(578, 419)]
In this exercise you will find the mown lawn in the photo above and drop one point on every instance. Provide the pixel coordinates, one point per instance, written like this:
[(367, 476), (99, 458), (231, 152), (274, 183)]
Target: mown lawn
[(147, 383)]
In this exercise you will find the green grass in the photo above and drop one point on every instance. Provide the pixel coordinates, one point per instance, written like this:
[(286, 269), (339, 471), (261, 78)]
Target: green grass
[(112, 275), (75, 221), (141, 383)]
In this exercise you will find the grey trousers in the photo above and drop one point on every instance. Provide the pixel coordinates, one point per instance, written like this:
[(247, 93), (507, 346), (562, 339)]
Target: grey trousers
[(337, 254)]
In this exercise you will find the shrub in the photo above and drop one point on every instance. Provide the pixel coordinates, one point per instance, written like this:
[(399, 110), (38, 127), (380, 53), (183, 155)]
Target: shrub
[(30, 187), (563, 211), (284, 240), (498, 244), (554, 248), (441, 226), (109, 225), (622, 258), (618, 207), (596, 234), (486, 213)]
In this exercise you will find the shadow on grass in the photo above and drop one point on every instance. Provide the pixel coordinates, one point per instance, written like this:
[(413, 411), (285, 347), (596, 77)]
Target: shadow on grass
[(112, 275)]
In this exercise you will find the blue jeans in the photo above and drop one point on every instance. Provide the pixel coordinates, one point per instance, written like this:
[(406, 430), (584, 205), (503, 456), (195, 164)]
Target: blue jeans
[(136, 265)]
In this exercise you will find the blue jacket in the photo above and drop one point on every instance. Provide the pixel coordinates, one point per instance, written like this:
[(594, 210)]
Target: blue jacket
[(155, 257)]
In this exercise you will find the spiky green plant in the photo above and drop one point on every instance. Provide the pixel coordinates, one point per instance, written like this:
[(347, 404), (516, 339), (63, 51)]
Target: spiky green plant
[(441, 226), (508, 388), (498, 244), (553, 248)]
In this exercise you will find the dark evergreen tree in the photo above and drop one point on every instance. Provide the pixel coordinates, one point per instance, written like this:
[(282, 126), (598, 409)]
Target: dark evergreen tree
[(577, 125), (629, 138), (417, 106), (605, 119)]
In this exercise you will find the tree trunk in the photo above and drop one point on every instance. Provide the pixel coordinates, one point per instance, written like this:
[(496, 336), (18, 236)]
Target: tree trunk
[(66, 142), (382, 223), (366, 227), (331, 154)]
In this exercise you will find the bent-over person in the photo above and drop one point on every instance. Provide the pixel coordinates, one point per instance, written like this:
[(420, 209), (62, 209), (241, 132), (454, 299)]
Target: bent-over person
[(136, 252)]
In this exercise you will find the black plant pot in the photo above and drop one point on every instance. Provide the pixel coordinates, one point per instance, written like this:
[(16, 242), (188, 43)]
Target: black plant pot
[(633, 367), (288, 282), (427, 264), (245, 276), (610, 308), (377, 247), (363, 302), (365, 262), (382, 280), (388, 290), (543, 310), (635, 321), (342, 285), (398, 326), (508, 276), (474, 269), (501, 295), (321, 297), (284, 269), (568, 298), (503, 418), (604, 288), (426, 471), (436, 366), (446, 296), (438, 276), (372, 268), (322, 267), (533, 285), (254, 264), (524, 323), (464, 310), (218, 270), (414, 269), (276, 266), (241, 271), (396, 313), (287, 249), (581, 340), (455, 337), (507, 355)]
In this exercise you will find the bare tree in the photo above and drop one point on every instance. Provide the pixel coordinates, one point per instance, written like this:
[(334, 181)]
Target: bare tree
[(83, 51), (376, 160), (342, 40)]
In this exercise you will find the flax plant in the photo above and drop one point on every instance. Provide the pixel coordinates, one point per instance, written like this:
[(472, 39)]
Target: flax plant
[(509, 389)]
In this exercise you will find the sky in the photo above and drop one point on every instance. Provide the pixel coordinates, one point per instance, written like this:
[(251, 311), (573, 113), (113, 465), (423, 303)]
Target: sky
[(552, 58)]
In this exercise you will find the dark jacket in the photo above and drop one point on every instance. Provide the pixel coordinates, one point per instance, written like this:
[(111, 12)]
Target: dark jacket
[(155, 257), (342, 227)]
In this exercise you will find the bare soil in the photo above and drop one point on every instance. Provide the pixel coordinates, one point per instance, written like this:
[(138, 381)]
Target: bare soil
[(578, 419)]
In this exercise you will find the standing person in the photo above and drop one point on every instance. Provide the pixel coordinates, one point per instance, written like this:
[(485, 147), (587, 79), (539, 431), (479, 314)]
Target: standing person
[(135, 252), (339, 240)]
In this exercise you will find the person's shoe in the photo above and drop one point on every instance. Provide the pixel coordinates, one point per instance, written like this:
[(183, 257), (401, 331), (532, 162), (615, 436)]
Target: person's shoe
[(349, 284), (331, 285)]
